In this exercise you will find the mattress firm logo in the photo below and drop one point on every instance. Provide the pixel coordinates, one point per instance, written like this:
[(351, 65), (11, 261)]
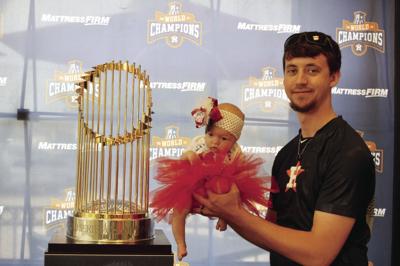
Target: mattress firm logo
[(265, 92), (185, 86), (379, 212), (63, 88), (278, 28), (261, 149), (59, 209), (174, 26), (376, 153), (44, 145), (367, 93), (85, 20), (171, 145), (360, 34)]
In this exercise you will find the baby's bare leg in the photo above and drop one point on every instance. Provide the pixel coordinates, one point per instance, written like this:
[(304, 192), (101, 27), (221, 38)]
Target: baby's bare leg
[(221, 225), (178, 229)]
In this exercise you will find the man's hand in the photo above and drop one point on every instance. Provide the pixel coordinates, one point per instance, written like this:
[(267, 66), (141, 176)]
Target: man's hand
[(219, 205)]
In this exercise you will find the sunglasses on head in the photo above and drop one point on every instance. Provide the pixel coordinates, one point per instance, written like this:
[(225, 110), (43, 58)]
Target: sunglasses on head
[(313, 38)]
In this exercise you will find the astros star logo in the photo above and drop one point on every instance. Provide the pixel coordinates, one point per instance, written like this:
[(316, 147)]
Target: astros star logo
[(293, 172)]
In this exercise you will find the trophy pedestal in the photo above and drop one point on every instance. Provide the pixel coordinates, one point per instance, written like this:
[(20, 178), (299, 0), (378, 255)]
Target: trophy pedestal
[(63, 251)]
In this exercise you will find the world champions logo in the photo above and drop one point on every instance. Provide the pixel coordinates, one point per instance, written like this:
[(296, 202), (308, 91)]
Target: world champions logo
[(377, 154), (59, 209), (174, 26), (62, 86), (265, 92), (171, 145), (360, 34)]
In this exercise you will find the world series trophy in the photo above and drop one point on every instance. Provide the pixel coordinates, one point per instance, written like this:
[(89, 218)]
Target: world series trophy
[(112, 185), (111, 213)]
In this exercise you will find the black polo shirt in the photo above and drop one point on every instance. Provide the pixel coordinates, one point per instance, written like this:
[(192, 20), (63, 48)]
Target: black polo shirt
[(338, 178)]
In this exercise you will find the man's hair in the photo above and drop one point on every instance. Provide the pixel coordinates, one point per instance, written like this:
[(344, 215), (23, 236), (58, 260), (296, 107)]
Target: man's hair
[(312, 44)]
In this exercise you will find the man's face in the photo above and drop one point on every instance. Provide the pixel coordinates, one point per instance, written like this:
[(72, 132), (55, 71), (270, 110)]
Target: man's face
[(308, 83)]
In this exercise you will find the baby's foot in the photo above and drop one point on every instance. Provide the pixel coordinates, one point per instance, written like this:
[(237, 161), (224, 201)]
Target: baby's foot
[(221, 225), (182, 252)]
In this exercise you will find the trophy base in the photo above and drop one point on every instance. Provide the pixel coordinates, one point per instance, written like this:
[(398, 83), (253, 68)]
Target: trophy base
[(63, 251), (110, 230)]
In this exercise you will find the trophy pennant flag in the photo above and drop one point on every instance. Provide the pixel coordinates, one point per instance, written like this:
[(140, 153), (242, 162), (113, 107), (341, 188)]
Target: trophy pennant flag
[(112, 173)]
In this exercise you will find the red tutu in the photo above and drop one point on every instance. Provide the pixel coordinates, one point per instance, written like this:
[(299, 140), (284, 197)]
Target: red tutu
[(179, 179)]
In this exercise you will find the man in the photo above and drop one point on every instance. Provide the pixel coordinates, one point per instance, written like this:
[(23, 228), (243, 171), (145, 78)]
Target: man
[(326, 174)]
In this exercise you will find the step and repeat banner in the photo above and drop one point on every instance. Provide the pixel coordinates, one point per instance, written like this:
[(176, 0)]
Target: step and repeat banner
[(228, 49)]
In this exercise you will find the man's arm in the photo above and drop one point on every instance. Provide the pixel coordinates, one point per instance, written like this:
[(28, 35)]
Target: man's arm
[(271, 216), (319, 246)]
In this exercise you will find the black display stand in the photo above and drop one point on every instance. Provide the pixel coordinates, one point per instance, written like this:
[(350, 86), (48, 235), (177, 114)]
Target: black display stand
[(63, 251)]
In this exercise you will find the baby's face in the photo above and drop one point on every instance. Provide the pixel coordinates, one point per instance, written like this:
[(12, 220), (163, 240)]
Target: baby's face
[(219, 140)]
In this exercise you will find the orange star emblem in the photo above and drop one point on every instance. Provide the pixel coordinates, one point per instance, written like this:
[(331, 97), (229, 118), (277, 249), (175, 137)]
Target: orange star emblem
[(293, 173)]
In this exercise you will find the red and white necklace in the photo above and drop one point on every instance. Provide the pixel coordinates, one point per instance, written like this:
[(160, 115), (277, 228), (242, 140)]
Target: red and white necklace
[(296, 170)]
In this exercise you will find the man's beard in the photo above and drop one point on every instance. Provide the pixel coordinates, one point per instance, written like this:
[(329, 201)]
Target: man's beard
[(303, 109)]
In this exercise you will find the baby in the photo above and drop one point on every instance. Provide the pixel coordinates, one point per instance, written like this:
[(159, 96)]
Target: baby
[(214, 162)]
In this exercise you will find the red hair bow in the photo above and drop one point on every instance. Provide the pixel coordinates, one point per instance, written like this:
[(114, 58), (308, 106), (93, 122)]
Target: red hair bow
[(206, 112)]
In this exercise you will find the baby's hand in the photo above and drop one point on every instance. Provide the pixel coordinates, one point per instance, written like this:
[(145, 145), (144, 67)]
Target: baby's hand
[(221, 225)]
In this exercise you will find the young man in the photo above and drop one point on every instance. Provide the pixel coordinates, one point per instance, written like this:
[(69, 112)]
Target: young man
[(326, 174)]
